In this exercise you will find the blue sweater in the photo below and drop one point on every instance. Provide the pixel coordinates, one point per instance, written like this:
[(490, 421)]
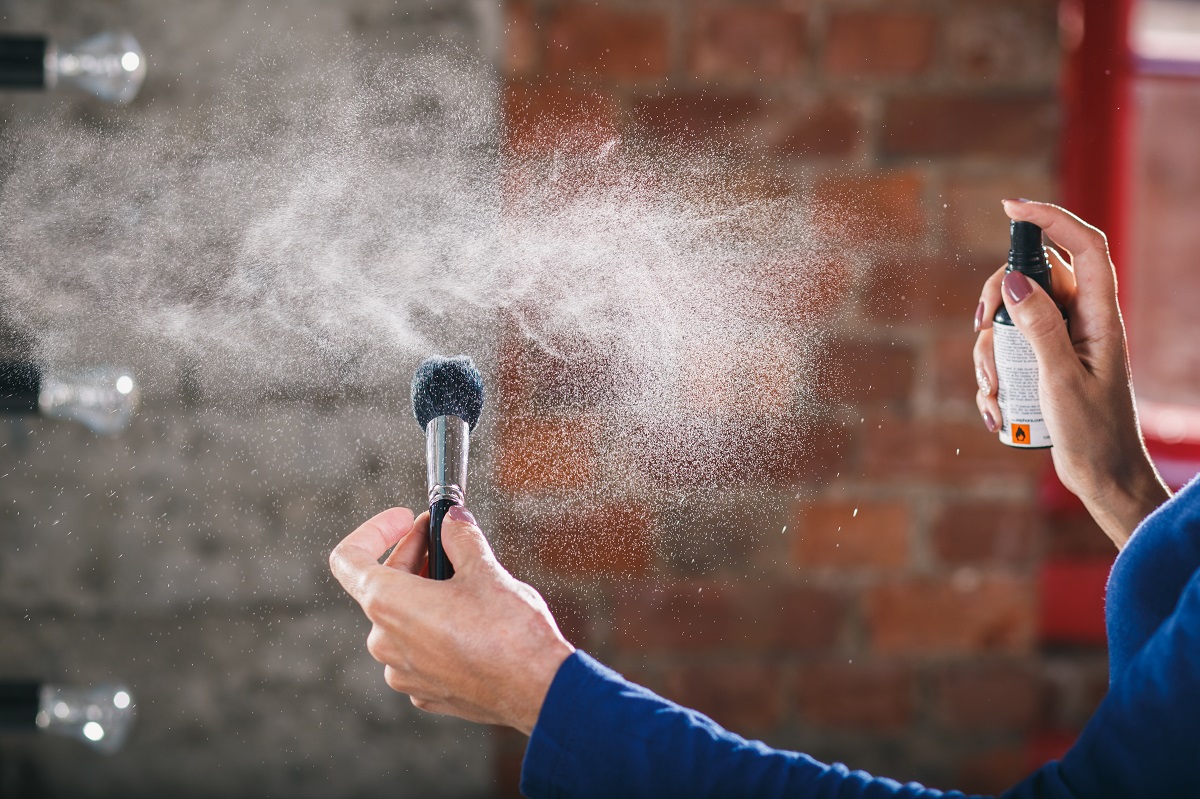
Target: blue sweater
[(599, 735)]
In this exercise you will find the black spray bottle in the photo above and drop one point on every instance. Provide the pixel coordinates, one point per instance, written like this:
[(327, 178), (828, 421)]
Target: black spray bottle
[(1016, 366)]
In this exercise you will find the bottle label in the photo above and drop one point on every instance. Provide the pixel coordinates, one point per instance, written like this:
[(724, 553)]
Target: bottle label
[(1017, 375)]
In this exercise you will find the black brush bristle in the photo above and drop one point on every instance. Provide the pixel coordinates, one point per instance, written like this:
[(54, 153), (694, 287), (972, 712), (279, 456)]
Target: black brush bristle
[(447, 387)]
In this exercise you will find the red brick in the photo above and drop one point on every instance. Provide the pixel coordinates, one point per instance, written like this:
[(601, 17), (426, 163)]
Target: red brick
[(606, 41), (695, 117), (1018, 126), (708, 453), (985, 533), (1002, 42), (959, 452), (880, 43), (576, 619), (883, 207), (540, 119), (706, 616), (567, 374), (994, 770), (976, 226), (743, 41), (546, 453), (701, 538), (965, 614), (508, 755), (1076, 536), (997, 696), (1048, 745), (521, 44), (954, 372), (874, 696), (942, 288), (1072, 601), (612, 541), (721, 377), (851, 536), (741, 696), (1075, 685), (866, 373), (806, 292), (832, 126)]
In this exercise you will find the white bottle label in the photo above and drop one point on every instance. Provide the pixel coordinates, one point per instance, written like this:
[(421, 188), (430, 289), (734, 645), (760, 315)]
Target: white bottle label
[(1017, 375)]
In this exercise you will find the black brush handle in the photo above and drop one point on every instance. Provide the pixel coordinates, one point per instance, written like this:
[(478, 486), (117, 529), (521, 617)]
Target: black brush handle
[(440, 567)]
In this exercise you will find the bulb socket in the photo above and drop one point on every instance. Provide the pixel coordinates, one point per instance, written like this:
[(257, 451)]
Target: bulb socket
[(23, 62), (20, 387), (19, 704)]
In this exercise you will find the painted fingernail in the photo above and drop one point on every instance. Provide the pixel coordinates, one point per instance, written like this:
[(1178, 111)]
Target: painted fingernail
[(979, 316), (1017, 286), (460, 514), (989, 422), (1015, 200), (981, 378)]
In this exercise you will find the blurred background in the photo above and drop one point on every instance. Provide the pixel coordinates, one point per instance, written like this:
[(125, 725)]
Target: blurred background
[(906, 595)]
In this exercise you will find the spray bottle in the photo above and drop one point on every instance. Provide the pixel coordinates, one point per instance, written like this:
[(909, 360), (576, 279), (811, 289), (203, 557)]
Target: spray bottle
[(1016, 365)]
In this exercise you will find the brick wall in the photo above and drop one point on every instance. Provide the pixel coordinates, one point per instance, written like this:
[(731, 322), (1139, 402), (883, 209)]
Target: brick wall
[(893, 616)]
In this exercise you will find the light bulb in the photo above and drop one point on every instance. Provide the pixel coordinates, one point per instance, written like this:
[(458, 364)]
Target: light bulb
[(103, 399), (100, 716), (109, 65)]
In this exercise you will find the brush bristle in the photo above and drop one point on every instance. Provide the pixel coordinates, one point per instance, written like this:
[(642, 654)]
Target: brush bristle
[(447, 387)]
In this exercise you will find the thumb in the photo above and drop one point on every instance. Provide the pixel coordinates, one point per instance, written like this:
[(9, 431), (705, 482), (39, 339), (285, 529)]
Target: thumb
[(463, 540), (1041, 322)]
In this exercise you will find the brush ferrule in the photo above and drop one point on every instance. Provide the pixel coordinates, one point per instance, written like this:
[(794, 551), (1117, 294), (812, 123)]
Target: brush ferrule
[(447, 443)]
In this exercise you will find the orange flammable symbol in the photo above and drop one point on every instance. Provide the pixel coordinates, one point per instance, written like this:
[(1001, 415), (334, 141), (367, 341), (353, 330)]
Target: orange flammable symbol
[(1020, 433)]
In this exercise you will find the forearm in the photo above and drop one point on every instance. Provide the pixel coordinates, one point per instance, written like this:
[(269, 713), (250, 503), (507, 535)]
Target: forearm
[(601, 736)]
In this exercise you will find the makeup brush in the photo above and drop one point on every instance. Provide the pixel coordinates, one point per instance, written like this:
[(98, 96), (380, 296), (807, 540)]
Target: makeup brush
[(447, 396)]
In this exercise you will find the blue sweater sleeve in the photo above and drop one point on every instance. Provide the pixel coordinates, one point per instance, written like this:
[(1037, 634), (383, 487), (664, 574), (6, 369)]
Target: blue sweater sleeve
[(1148, 577), (1143, 739), (600, 735)]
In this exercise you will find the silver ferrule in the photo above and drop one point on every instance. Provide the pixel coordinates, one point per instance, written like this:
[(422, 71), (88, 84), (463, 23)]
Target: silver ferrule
[(447, 442)]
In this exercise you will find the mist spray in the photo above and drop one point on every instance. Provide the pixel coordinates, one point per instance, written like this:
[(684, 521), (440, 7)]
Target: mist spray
[(1016, 365)]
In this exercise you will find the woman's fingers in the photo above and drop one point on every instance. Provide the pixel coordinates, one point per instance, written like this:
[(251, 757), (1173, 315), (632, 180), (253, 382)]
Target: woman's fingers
[(1093, 271), (985, 379), (1062, 278), (410, 553), (989, 300)]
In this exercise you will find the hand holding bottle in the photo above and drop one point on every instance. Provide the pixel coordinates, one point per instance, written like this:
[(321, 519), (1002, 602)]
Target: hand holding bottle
[(1083, 371)]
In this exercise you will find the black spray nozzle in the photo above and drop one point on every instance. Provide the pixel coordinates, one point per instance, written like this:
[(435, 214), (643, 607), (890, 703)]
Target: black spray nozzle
[(1026, 254)]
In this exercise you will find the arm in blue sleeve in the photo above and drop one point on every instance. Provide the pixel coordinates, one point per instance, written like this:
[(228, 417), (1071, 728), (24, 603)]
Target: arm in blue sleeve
[(600, 735), (1149, 576), (1143, 739)]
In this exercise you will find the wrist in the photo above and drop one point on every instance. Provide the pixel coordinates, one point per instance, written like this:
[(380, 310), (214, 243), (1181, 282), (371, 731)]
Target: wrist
[(539, 677), (1131, 495)]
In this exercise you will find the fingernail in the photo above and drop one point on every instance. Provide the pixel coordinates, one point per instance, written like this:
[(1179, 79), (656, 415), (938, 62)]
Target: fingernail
[(981, 378), (1017, 286), (979, 316), (989, 422), (1015, 200), (460, 514)]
